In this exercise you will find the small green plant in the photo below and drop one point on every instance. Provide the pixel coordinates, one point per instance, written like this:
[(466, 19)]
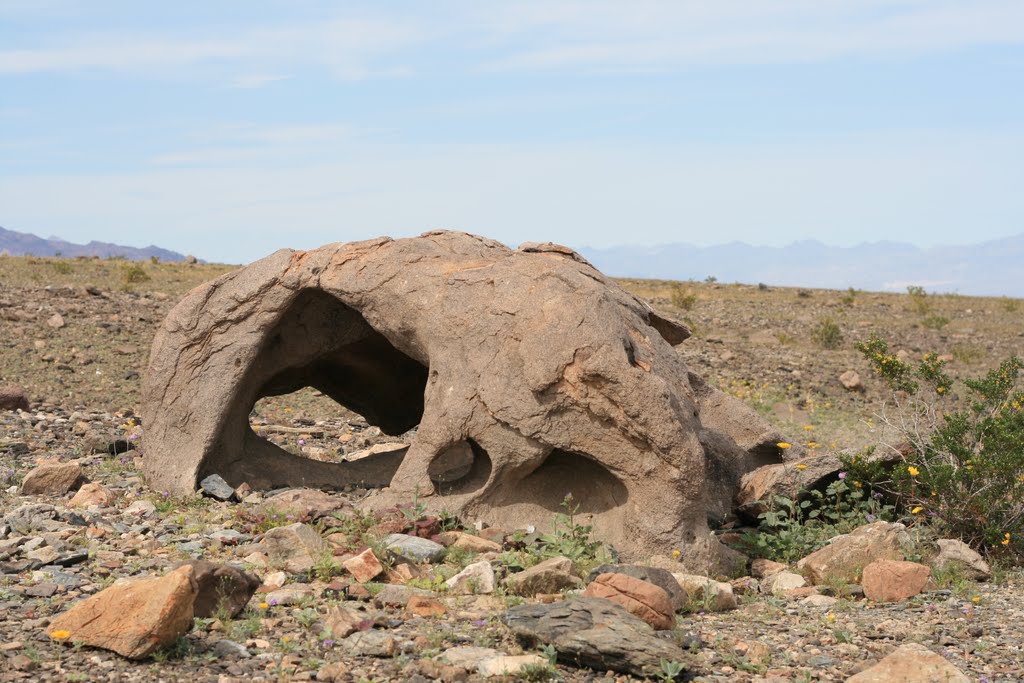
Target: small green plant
[(568, 538), (963, 473), (62, 267), (935, 322), (325, 567), (537, 672), (669, 671), (1010, 305), (919, 302), (133, 273), (849, 297), (416, 511), (682, 297), (827, 334)]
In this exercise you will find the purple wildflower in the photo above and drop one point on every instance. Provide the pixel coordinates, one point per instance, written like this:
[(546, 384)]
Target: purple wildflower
[(842, 475)]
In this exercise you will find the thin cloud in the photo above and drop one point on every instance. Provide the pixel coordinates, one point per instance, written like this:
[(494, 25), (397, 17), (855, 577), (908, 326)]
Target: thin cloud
[(256, 81)]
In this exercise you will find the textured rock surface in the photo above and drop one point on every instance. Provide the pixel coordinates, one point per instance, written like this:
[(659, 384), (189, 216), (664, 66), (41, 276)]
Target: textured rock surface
[(893, 580), (549, 576), (595, 633), (221, 586), (707, 594), (644, 599), (12, 397), (659, 577), (532, 360), (296, 547), (954, 552), (53, 479), (911, 663), (847, 555), (134, 619)]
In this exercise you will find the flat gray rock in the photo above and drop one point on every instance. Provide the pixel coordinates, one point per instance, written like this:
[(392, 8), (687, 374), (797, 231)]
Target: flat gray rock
[(414, 549)]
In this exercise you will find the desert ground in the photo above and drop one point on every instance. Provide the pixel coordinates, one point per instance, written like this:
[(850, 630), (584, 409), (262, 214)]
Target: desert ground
[(76, 337)]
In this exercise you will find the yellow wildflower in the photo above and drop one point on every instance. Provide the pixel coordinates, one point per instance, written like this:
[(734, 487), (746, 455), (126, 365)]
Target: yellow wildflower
[(857, 484), (916, 510), (801, 467), (60, 635), (783, 445), (941, 390), (264, 605), (975, 599), (676, 553), (1006, 539), (913, 471), (813, 444), (808, 427)]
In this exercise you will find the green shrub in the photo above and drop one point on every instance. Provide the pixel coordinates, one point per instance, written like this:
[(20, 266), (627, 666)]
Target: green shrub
[(919, 302), (935, 322), (132, 273), (682, 297), (964, 474), (792, 529), (827, 334)]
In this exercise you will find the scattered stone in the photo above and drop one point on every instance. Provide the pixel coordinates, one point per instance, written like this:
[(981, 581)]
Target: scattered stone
[(364, 567), (290, 594), (781, 583), (394, 595), (761, 567), (56, 321), (468, 657), (911, 663), (819, 601), (92, 494), (894, 580), (414, 549), (221, 587), (296, 547), (52, 479), (509, 665), (475, 544), (141, 508), (659, 577), (475, 579), (305, 504), (371, 644), (341, 621), (954, 552), (706, 594), (847, 555), (226, 649), (425, 606), (645, 600), (12, 397), (214, 486), (851, 381), (595, 633), (549, 576), (134, 618)]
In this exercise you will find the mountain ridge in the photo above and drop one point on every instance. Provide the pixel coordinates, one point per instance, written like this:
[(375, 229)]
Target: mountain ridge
[(26, 244)]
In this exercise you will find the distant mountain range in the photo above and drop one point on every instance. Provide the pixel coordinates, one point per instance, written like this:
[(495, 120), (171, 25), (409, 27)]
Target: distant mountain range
[(25, 244), (993, 268)]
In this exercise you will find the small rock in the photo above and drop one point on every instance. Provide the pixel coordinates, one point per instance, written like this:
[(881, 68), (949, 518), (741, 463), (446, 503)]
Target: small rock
[(305, 503), (475, 544), (221, 586), (761, 567), (894, 580), (509, 665), (296, 547), (954, 552), (549, 576), (343, 621), (53, 479), (645, 600), (424, 606), (911, 663), (398, 596), (851, 381), (335, 672), (364, 567), (225, 649), (291, 594), (371, 644), (56, 321), (141, 508), (134, 618), (414, 549), (819, 601), (782, 582), (214, 486), (477, 578), (12, 397), (92, 494), (707, 594)]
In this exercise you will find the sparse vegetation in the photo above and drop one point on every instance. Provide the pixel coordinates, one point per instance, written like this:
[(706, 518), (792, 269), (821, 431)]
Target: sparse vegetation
[(827, 334)]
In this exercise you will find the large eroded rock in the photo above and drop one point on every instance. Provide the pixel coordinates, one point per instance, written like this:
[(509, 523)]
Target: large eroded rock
[(528, 374)]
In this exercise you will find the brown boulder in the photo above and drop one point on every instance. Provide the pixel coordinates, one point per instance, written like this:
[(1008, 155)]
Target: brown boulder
[(364, 567), (92, 494), (52, 479), (135, 618), (645, 600), (549, 576), (12, 397), (221, 586), (911, 663), (847, 555), (296, 547), (893, 580), (530, 361)]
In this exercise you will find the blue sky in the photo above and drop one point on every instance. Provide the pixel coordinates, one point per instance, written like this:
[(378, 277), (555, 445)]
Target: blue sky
[(230, 129)]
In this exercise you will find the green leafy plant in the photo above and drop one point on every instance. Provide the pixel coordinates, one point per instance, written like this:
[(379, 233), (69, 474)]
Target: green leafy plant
[(669, 671), (569, 538), (827, 334), (962, 472), (682, 297)]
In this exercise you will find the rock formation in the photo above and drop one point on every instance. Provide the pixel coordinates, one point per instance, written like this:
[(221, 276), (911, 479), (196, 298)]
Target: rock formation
[(526, 374)]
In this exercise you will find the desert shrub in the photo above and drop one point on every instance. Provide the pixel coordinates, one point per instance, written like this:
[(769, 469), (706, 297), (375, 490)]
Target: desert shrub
[(919, 302), (964, 472), (935, 322), (62, 267), (792, 529), (132, 273), (827, 334), (1010, 305), (848, 298), (569, 538), (682, 297)]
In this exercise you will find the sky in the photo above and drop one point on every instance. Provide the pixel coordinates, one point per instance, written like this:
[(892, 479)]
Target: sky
[(230, 129)]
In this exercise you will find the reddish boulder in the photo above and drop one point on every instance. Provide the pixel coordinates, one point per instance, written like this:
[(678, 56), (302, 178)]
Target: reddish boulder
[(645, 600)]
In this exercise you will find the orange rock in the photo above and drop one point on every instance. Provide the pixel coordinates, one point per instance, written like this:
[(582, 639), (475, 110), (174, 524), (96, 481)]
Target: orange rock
[(892, 580), (134, 619), (647, 601), (92, 494), (423, 606), (364, 567)]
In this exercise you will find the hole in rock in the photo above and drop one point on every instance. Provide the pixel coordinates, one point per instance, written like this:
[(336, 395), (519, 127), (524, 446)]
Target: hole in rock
[(322, 362), (461, 468), (540, 494)]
